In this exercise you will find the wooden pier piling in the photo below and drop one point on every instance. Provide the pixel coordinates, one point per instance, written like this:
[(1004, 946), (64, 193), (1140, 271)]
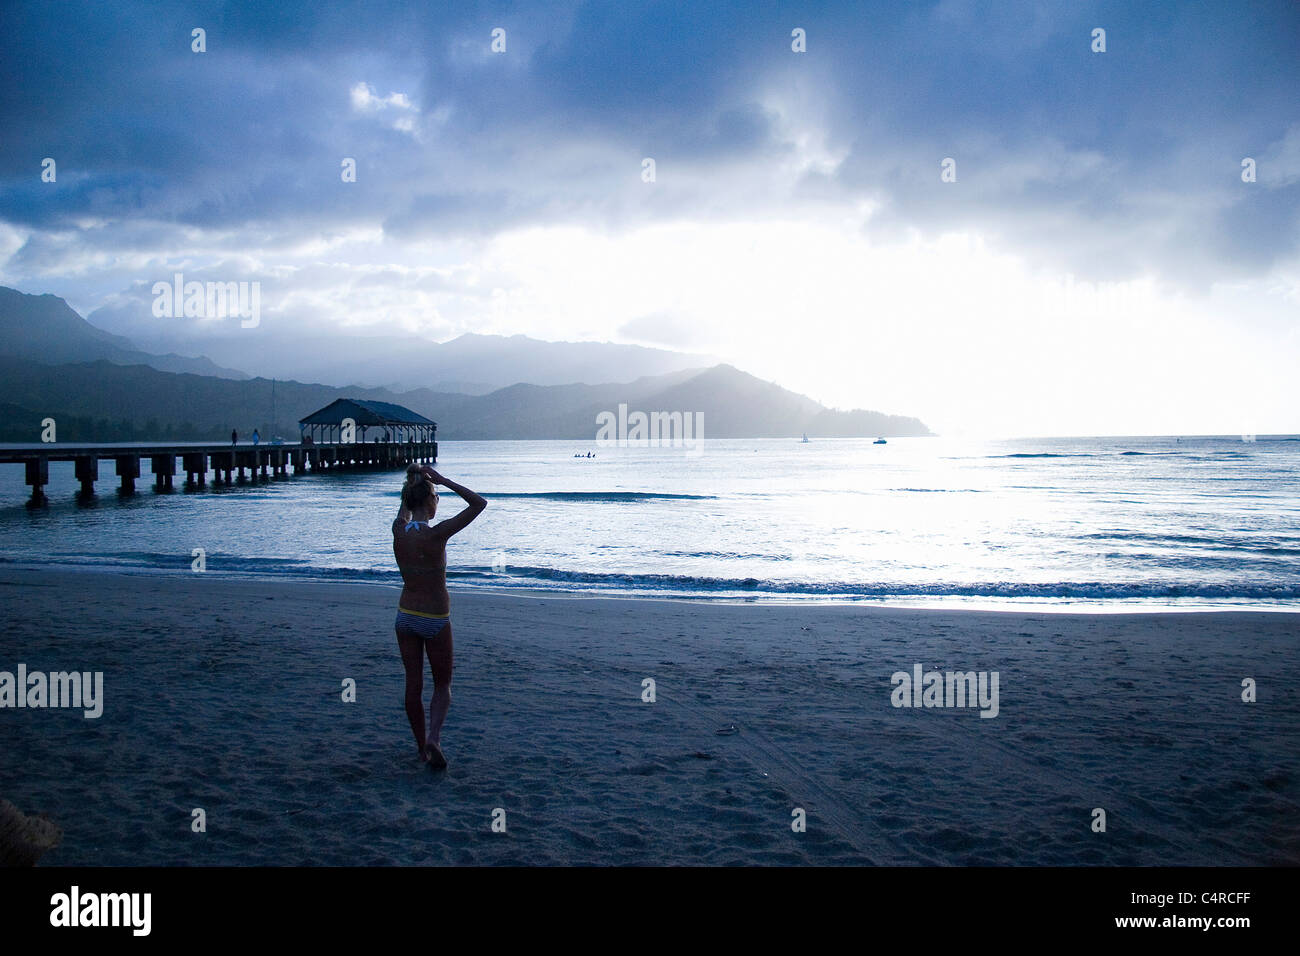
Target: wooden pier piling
[(87, 471), (38, 476), (128, 469), (164, 469)]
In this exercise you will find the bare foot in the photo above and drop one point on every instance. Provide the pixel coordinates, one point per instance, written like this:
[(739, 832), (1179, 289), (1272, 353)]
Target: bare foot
[(433, 754)]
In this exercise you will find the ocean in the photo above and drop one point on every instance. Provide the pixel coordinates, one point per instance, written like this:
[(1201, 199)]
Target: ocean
[(1078, 523)]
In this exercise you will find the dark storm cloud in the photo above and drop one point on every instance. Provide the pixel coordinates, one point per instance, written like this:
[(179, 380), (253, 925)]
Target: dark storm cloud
[(1107, 164)]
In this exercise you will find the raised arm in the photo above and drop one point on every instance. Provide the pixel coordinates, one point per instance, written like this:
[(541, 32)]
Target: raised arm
[(475, 503)]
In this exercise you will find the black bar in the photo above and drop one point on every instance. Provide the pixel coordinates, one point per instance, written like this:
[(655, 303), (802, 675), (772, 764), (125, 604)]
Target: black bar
[(948, 910)]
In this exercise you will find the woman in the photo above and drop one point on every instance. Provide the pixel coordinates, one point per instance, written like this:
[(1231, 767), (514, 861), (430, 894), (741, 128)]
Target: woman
[(423, 611)]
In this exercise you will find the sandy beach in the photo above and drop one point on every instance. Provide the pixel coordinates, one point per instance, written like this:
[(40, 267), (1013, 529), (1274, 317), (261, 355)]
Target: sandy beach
[(226, 695)]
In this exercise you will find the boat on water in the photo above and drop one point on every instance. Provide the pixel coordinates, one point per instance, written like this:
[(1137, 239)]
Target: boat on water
[(880, 441), (804, 440)]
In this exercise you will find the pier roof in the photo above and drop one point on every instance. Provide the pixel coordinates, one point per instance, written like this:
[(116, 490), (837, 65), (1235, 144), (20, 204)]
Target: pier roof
[(364, 413)]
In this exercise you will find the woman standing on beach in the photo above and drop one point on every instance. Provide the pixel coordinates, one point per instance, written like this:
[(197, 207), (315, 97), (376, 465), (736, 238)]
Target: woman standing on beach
[(424, 609)]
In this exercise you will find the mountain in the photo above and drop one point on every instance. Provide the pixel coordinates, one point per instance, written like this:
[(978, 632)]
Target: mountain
[(473, 364), (103, 401), (44, 328), (506, 360), (53, 363)]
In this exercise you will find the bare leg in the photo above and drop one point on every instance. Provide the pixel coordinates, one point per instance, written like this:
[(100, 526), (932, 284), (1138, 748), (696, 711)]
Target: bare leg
[(409, 644), (439, 652)]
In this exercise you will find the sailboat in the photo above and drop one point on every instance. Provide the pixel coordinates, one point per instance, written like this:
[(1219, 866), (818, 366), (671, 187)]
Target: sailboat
[(804, 440)]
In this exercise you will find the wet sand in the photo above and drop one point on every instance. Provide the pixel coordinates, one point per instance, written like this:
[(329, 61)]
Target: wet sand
[(226, 695)]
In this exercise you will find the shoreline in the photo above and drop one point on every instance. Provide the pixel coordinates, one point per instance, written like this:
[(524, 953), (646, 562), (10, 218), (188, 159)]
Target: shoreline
[(1085, 606)]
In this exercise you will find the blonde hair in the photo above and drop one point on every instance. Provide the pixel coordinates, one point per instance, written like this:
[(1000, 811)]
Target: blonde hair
[(418, 490)]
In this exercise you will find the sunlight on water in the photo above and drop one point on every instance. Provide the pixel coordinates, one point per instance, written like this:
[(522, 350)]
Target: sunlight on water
[(1123, 522)]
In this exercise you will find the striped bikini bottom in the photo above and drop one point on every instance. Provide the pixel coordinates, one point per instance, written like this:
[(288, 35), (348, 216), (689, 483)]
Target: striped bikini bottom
[(421, 623)]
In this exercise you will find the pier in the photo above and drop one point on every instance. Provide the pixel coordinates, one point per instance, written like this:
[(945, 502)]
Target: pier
[(332, 437), (227, 464)]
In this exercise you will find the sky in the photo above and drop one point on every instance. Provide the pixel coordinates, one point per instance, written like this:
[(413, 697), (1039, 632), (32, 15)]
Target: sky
[(1096, 266)]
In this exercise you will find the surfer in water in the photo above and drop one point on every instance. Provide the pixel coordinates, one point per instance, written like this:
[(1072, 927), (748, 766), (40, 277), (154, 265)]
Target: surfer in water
[(424, 609)]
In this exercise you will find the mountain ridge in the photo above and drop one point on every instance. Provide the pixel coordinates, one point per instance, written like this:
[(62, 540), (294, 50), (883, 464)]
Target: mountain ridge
[(54, 362), (203, 407), (44, 327), (473, 362)]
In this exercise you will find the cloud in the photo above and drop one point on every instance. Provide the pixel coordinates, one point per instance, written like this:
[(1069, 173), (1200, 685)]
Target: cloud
[(662, 329), (365, 100), (1281, 160), (1059, 150)]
